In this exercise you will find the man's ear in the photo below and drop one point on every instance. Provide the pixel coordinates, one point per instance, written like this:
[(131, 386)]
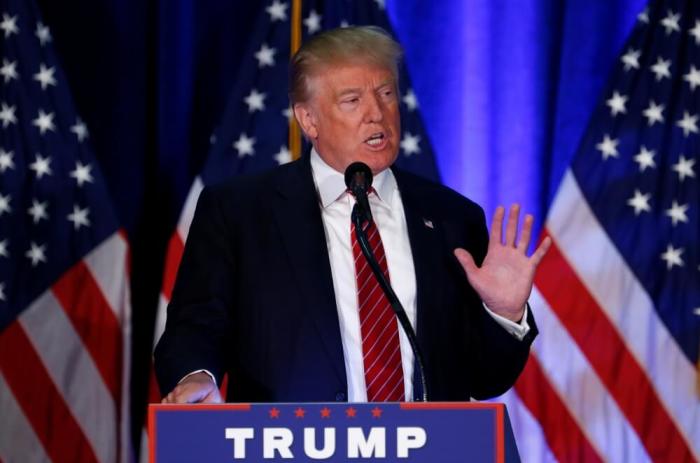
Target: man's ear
[(307, 120)]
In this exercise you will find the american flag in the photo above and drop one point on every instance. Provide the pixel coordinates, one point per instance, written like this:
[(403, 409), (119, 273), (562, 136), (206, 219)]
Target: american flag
[(613, 375), (64, 302), (253, 134)]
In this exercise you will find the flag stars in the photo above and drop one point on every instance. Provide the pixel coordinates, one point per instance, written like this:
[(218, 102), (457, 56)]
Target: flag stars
[(38, 211), (5, 204), (409, 144), (3, 248), (244, 146), (44, 122), (287, 112), (608, 147), (617, 104), (82, 174), (79, 217), (381, 4), (7, 115), (255, 101), (693, 78), (41, 166), (684, 168), (313, 22), (645, 158), (672, 256), (36, 253), (42, 33), (45, 76), (640, 202), (654, 113), (8, 71), (677, 213), (661, 69), (283, 156), (688, 123), (80, 130), (9, 25), (265, 56), (277, 11), (695, 32), (6, 161), (631, 59), (644, 16), (670, 22), (410, 100)]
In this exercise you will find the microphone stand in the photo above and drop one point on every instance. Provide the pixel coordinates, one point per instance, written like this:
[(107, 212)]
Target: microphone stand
[(357, 218)]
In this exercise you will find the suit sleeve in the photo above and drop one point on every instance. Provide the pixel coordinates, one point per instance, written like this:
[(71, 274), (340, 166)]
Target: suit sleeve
[(198, 314)]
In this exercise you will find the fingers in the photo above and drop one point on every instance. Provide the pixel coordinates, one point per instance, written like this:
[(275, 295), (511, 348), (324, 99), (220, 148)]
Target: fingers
[(512, 224), (541, 250), (497, 225), (525, 233), (466, 260)]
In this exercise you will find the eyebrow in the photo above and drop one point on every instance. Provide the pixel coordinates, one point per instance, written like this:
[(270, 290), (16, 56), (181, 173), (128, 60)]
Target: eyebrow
[(347, 91)]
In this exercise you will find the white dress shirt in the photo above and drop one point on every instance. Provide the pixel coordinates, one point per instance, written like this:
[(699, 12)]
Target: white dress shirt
[(388, 213)]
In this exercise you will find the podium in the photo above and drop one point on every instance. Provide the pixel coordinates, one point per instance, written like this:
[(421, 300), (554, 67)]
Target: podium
[(431, 432)]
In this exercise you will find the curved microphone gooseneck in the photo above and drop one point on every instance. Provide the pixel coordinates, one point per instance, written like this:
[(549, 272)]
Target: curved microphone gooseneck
[(358, 178)]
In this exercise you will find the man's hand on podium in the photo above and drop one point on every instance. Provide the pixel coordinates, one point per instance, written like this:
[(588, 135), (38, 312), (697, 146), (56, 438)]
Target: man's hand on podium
[(195, 388)]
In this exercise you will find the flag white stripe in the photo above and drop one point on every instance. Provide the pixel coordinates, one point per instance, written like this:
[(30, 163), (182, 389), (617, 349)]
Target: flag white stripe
[(183, 225), (78, 380), (581, 390), (610, 282), (18, 441), (107, 264), (529, 437)]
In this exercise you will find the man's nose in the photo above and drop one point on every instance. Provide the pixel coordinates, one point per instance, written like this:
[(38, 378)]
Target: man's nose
[(374, 110)]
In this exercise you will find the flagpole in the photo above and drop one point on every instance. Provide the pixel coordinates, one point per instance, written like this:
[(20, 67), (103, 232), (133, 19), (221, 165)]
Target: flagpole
[(294, 132)]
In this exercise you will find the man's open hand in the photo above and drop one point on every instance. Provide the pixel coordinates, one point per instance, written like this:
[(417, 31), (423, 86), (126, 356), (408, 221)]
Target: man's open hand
[(504, 280)]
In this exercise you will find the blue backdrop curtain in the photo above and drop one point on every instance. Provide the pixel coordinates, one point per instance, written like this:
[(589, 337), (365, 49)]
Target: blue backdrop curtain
[(506, 89)]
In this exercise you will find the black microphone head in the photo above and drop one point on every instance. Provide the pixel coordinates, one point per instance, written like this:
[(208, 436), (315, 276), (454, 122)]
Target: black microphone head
[(358, 176)]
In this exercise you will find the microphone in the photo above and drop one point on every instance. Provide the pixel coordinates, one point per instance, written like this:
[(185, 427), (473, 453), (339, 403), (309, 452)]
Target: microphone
[(358, 179)]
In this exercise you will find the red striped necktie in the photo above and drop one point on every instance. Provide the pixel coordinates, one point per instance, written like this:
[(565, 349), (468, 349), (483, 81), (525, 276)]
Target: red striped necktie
[(378, 325)]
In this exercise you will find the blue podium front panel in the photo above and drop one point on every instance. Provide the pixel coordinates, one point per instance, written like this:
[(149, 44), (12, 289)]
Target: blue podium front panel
[(387, 432)]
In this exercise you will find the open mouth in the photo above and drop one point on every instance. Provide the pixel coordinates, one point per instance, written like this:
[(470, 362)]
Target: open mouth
[(376, 139)]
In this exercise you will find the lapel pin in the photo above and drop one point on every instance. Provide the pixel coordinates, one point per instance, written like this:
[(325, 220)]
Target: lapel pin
[(428, 223)]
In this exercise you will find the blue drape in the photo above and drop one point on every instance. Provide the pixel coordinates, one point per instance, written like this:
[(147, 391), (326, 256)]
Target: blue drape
[(507, 87)]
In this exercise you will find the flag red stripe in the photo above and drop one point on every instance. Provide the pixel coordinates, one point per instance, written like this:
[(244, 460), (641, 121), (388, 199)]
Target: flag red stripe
[(608, 355), (40, 400), (172, 261), (94, 321), (563, 434)]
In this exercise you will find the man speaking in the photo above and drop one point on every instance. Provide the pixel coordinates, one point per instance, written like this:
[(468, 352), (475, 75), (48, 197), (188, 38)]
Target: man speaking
[(274, 290)]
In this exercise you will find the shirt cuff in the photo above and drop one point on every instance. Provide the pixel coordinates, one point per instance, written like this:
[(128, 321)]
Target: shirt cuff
[(517, 330), (209, 373)]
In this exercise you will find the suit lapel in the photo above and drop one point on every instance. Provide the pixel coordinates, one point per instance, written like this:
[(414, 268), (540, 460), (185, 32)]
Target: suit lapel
[(298, 217), (424, 236)]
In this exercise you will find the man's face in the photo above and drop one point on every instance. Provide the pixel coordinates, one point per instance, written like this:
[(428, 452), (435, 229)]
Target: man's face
[(353, 115)]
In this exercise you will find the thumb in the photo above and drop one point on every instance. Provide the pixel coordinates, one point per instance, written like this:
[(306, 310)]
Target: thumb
[(466, 260), (214, 397)]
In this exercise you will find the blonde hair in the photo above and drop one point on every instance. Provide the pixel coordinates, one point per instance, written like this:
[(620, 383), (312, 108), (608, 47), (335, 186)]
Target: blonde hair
[(364, 44)]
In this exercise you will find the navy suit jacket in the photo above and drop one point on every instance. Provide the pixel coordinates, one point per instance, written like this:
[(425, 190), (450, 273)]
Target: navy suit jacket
[(254, 295)]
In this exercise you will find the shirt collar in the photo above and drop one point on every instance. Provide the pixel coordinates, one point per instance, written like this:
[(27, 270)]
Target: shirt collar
[(331, 183)]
